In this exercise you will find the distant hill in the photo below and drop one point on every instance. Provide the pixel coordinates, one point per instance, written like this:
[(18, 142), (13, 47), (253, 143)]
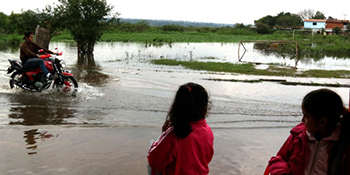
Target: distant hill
[(153, 22)]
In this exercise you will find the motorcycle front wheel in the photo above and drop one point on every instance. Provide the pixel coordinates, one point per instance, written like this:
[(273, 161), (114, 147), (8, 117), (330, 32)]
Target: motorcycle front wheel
[(68, 85)]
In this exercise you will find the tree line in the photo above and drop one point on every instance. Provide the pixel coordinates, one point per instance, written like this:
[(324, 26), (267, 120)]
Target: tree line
[(54, 19)]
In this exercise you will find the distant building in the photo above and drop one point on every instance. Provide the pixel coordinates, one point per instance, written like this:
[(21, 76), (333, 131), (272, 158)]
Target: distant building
[(314, 23), (332, 23), (325, 25)]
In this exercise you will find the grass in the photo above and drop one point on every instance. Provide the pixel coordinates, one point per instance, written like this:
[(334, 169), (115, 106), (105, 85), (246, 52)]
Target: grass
[(171, 37), (249, 69)]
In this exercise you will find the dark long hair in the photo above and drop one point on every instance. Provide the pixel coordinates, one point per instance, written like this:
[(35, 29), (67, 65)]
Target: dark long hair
[(327, 103), (324, 103), (190, 104)]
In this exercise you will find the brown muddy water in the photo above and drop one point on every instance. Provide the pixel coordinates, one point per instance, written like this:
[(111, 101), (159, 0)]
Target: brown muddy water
[(122, 104)]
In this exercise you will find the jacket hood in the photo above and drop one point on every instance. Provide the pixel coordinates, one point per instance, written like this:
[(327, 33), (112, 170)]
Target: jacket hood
[(300, 128)]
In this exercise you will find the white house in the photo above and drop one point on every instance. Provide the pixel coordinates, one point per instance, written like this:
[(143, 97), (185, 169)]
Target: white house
[(315, 23)]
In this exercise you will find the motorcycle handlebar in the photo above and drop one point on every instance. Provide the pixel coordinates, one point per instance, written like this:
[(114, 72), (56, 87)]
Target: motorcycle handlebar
[(49, 55), (45, 53)]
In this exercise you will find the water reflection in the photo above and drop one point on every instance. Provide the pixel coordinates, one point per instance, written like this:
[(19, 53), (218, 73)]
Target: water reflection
[(30, 139), (284, 50), (91, 75), (158, 44), (39, 109), (31, 136), (287, 50)]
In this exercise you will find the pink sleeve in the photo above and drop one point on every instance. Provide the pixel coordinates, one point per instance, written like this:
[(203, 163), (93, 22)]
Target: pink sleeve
[(278, 164), (163, 151)]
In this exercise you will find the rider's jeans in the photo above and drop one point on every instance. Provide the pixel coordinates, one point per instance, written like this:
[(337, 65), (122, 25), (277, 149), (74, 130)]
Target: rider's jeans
[(35, 62)]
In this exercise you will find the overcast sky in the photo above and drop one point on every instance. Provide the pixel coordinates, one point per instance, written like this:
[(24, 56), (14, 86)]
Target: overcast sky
[(216, 11)]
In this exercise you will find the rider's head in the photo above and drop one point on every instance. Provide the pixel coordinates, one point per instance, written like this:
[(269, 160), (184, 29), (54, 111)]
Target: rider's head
[(28, 36)]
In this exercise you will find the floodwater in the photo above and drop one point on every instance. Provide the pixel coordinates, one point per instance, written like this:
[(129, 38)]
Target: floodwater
[(122, 104)]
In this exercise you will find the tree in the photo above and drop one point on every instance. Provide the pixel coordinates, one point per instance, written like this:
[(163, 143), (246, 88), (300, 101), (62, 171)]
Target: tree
[(288, 20), (51, 19), (282, 20), (86, 20), (306, 14), (268, 20), (4, 22), (28, 21), (319, 15), (15, 21), (239, 26)]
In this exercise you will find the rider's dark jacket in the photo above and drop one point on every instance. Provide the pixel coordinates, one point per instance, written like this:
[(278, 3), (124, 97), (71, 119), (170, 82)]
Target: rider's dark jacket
[(30, 50)]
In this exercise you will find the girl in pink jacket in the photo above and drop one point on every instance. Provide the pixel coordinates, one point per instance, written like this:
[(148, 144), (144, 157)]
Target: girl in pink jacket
[(320, 144), (186, 145)]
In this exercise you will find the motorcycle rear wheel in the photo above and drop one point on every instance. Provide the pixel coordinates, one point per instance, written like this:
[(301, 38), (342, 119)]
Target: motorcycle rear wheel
[(15, 78), (69, 86)]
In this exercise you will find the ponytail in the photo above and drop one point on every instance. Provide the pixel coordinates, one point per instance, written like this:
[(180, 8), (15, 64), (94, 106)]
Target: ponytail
[(340, 147), (190, 104), (345, 124)]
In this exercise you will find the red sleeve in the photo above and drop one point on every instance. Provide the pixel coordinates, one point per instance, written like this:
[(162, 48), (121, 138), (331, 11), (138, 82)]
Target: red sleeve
[(279, 164), (163, 151)]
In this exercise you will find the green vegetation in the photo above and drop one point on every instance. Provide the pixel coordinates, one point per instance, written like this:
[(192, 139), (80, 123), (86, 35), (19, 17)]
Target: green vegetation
[(282, 21), (173, 37), (249, 69)]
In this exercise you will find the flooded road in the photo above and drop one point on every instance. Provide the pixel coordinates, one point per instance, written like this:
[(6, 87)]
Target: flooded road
[(121, 106)]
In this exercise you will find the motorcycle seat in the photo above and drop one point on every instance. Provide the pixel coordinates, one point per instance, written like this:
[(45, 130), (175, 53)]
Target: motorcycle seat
[(27, 69), (18, 65)]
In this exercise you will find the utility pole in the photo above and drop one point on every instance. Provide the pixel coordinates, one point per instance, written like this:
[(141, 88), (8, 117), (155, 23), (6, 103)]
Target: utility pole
[(345, 16)]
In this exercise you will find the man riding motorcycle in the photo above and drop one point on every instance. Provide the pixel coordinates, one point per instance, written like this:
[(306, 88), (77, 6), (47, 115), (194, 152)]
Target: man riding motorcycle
[(30, 57)]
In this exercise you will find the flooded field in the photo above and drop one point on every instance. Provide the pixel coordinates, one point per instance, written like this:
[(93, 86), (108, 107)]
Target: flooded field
[(122, 103)]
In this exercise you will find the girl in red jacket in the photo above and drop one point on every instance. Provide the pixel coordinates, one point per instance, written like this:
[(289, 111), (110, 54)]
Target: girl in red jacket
[(186, 145), (318, 145)]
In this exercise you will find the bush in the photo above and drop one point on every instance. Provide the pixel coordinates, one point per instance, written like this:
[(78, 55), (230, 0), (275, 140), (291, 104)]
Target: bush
[(262, 28), (173, 28), (336, 30)]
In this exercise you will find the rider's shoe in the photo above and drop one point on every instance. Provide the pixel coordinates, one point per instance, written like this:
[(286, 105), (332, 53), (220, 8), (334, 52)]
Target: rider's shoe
[(50, 77)]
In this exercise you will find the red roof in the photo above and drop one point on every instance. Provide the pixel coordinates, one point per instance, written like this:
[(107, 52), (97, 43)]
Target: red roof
[(337, 21), (315, 20)]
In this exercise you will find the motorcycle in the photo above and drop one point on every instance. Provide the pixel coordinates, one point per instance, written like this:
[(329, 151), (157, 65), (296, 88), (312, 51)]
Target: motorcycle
[(32, 79)]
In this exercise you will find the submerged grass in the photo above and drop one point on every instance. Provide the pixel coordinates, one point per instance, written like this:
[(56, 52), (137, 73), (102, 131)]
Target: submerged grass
[(249, 69)]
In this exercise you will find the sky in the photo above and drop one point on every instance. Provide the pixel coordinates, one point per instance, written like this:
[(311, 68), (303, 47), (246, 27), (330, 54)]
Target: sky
[(214, 11)]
